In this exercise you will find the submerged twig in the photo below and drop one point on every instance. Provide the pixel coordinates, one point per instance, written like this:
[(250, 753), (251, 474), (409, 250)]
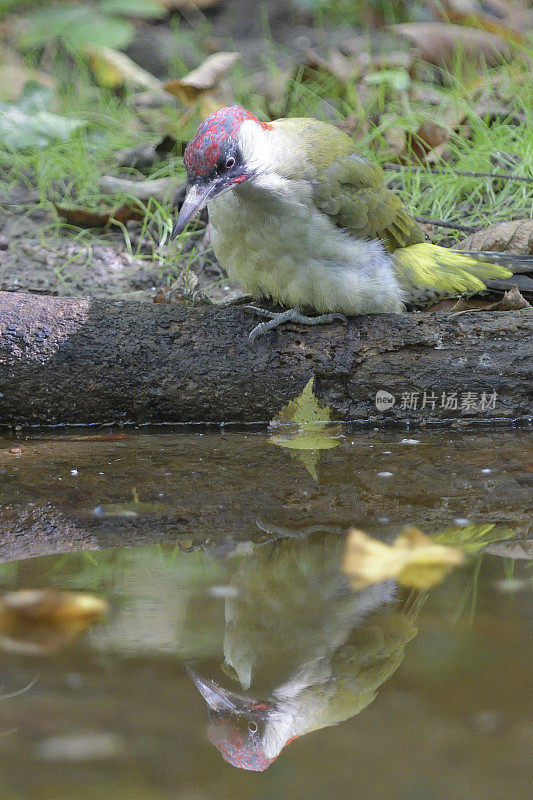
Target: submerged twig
[(20, 691)]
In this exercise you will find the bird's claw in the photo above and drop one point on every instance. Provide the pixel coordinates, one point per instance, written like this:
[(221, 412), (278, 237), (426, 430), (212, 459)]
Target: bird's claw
[(275, 319)]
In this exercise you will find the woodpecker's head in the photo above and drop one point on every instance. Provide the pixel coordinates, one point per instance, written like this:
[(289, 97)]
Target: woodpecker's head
[(219, 158), (238, 726)]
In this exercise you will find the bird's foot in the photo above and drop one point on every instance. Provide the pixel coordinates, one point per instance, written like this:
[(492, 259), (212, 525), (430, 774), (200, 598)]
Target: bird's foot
[(275, 319)]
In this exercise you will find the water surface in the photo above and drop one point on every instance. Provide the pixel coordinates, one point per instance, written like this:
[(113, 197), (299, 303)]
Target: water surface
[(235, 661)]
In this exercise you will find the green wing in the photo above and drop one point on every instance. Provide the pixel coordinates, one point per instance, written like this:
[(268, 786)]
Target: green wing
[(353, 193), (348, 188)]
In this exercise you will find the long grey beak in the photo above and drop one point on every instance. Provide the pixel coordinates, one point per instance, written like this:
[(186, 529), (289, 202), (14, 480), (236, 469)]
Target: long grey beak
[(216, 697), (196, 199)]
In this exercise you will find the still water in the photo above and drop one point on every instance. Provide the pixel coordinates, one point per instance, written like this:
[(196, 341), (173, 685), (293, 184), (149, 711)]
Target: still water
[(234, 660)]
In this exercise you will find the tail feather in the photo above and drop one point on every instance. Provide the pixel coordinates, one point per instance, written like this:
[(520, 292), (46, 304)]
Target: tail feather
[(521, 265), (428, 273), (514, 262)]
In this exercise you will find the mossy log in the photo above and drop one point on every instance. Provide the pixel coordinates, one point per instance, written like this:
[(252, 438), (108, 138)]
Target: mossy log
[(68, 360)]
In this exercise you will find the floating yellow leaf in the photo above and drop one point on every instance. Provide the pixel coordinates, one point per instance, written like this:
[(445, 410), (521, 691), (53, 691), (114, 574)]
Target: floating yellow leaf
[(43, 620), (413, 560), (304, 409), (305, 425)]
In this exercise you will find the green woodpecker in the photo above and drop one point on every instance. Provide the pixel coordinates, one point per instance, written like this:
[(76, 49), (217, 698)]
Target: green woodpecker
[(305, 651), (297, 216)]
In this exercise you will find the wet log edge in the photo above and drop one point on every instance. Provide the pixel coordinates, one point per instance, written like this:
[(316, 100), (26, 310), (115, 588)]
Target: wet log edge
[(86, 361)]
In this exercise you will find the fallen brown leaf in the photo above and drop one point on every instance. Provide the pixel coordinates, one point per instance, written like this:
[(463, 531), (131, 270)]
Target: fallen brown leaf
[(428, 143), (85, 218), (160, 189), (427, 94), (502, 17), (514, 236), (143, 156), (442, 44), (151, 100), (356, 48), (512, 300), (451, 303), (336, 64), (181, 290), (203, 82), (204, 78), (14, 75), (275, 89), (393, 141), (113, 69), (413, 559), (354, 125)]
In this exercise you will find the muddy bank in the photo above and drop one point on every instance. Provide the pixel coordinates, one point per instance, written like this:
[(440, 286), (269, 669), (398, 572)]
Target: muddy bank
[(95, 491)]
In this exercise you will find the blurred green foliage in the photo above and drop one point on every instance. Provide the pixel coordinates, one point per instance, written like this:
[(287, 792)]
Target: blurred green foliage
[(29, 123), (357, 12), (75, 25)]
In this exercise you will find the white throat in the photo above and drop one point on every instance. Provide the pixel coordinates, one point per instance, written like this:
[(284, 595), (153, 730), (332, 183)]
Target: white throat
[(256, 145)]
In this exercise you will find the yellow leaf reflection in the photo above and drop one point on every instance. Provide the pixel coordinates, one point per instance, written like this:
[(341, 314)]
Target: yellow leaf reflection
[(37, 621), (413, 559)]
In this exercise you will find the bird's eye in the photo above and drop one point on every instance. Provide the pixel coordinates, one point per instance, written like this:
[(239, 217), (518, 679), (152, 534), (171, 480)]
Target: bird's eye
[(252, 727), (230, 162)]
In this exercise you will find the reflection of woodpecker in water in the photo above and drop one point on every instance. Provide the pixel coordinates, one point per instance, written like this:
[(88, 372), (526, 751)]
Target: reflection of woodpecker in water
[(306, 650)]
